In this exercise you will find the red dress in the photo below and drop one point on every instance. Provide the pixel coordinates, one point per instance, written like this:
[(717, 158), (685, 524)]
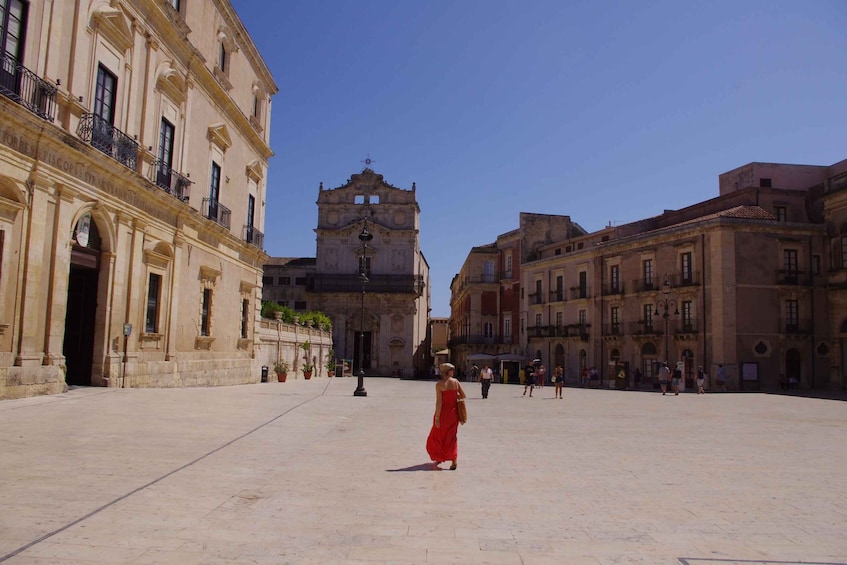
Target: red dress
[(441, 443)]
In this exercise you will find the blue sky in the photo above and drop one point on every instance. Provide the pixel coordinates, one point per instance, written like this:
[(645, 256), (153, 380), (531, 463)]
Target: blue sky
[(605, 111)]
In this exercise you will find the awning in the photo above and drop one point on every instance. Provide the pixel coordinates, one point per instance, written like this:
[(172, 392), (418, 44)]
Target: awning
[(481, 357)]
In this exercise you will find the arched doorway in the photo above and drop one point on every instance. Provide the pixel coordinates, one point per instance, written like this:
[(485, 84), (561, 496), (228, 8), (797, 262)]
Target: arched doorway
[(78, 346), (649, 355), (793, 365)]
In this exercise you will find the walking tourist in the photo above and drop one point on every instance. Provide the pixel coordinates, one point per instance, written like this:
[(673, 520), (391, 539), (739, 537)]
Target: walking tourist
[(701, 380), (558, 381), (664, 373), (485, 377), (442, 442)]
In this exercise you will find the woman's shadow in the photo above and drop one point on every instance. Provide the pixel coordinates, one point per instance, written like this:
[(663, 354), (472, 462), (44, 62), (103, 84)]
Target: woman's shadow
[(421, 467)]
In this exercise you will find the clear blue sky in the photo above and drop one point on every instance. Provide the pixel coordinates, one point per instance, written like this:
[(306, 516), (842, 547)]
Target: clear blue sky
[(604, 111)]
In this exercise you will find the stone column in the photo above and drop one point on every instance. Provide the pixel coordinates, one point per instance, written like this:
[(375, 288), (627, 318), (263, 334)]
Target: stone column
[(57, 294)]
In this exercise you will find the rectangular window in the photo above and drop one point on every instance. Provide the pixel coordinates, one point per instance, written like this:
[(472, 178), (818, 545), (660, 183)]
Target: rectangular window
[(647, 269), (300, 305), (792, 319), (583, 284), (686, 268), (509, 263), (166, 154), (560, 288), (245, 317), (559, 319), (251, 206), (285, 281), (781, 213), (538, 299), (151, 323), (214, 191), (222, 57), (488, 329), (488, 271), (267, 280), (507, 328), (583, 317), (538, 320), (103, 117), (615, 319), (687, 315), (789, 261), (300, 281), (764, 183), (816, 264), (12, 26), (175, 4), (648, 318), (206, 313), (615, 278)]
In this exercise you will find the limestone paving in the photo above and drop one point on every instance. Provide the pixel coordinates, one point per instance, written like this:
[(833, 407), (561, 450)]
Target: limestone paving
[(303, 472)]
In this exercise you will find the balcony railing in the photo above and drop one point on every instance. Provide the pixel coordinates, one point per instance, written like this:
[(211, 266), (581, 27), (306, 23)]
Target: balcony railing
[(647, 327), (796, 326), (690, 278), (473, 340), (253, 236), (169, 180), (391, 284), (505, 275), (792, 277), (535, 298), (216, 212), (110, 140), (557, 295), (610, 289), (578, 292), (20, 84), (644, 285), (685, 327), (613, 329)]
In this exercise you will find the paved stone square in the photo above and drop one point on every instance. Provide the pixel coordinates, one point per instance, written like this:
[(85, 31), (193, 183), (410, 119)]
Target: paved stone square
[(304, 472)]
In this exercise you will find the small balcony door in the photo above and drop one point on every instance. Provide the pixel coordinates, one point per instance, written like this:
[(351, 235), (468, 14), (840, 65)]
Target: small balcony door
[(251, 206), (214, 191), (12, 27), (166, 154), (104, 110)]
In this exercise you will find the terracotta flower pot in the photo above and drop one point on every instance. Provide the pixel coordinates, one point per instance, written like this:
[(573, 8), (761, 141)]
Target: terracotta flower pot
[(307, 375), (281, 377)]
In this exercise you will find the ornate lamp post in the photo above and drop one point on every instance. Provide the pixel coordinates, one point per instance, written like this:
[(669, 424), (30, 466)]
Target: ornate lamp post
[(364, 237), (666, 303)]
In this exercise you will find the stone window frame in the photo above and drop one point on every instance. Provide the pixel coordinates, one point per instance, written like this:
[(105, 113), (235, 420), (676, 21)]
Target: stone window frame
[(208, 281), (247, 290), (156, 262)]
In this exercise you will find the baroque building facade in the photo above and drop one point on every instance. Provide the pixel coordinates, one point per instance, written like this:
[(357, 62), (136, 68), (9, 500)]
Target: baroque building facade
[(133, 157), (750, 280), (376, 290)]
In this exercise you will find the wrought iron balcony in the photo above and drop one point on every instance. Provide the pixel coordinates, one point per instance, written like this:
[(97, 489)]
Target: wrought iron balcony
[(613, 329), (110, 140), (644, 285), (216, 212), (169, 180), (578, 292), (535, 298), (646, 327), (685, 327), (540, 331), (690, 278), (792, 277), (390, 284), (20, 84), (557, 295), (610, 289), (796, 326), (253, 236)]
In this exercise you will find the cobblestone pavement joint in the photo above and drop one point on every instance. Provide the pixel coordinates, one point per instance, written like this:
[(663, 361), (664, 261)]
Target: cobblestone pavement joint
[(304, 472)]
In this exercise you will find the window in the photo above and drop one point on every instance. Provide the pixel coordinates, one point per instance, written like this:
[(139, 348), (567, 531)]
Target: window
[(151, 322), (687, 315), (104, 110), (615, 278), (765, 183), (509, 263), (538, 299), (648, 318), (300, 281), (615, 319), (285, 281), (538, 320), (214, 191), (781, 213), (12, 26), (175, 4), (816, 264), (789, 261), (251, 206), (267, 280), (206, 313), (507, 328), (583, 284), (560, 288), (647, 269), (488, 329), (559, 319), (300, 305), (792, 320), (488, 271), (222, 57), (583, 317), (245, 317), (685, 268), (166, 154)]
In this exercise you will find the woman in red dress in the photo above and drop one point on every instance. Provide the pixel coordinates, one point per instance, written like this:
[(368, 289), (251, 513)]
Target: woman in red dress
[(442, 443)]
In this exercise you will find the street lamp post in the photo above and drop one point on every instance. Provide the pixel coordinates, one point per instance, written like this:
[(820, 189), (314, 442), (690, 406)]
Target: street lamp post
[(364, 237), (666, 303)]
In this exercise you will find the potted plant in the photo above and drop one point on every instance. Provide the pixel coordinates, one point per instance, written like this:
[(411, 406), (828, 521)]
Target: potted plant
[(330, 364), (307, 370), (281, 370)]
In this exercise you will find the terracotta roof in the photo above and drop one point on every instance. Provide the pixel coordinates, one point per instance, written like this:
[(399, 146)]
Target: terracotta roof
[(291, 261)]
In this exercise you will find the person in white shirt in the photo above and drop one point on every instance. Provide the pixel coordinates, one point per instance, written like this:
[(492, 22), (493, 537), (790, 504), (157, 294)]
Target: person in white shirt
[(485, 377)]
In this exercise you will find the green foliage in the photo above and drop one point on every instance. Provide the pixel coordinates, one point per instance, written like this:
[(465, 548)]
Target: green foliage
[(281, 367), (318, 319), (307, 368), (330, 360)]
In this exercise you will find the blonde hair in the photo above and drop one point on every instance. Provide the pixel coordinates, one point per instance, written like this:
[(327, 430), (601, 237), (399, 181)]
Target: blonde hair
[(447, 367)]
